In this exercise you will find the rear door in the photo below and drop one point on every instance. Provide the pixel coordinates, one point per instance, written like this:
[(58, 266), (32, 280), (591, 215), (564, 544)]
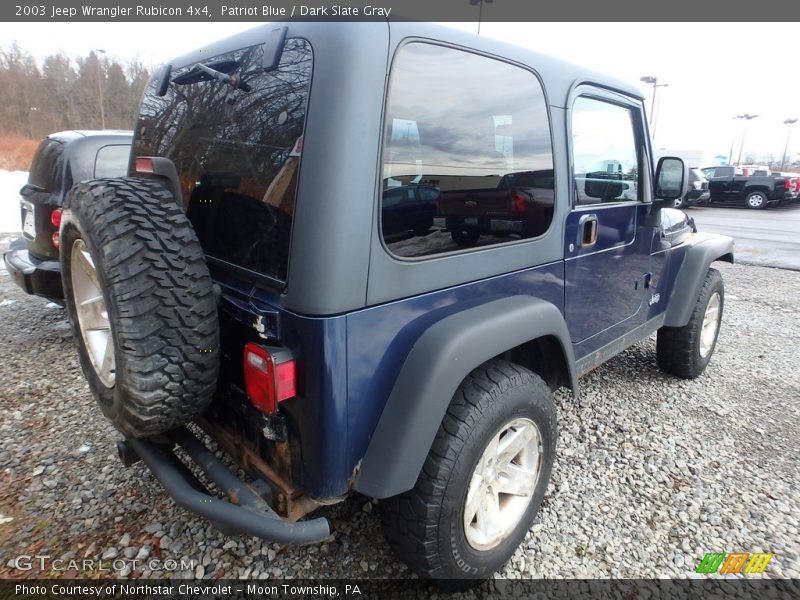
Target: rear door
[(607, 245)]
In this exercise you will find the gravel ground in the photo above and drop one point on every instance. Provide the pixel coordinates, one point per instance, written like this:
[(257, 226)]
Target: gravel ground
[(651, 473)]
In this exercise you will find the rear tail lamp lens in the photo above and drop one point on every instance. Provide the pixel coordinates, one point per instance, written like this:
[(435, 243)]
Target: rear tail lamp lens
[(55, 239), (55, 218), (270, 377), (518, 202)]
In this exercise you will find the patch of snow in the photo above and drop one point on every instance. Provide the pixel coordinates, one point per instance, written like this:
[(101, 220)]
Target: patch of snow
[(10, 184)]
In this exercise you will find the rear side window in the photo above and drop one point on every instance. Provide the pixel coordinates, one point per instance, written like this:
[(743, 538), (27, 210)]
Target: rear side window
[(236, 146), (112, 161), (47, 165), (467, 153)]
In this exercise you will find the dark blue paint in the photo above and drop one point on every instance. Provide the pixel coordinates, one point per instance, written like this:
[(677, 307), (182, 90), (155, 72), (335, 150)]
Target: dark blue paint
[(347, 364), (605, 282)]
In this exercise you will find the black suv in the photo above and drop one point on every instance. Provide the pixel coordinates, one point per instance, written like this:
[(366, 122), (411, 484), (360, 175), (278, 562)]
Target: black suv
[(698, 190), (249, 278), (61, 160)]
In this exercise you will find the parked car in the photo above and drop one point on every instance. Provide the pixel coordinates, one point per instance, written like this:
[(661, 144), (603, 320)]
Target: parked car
[(232, 284), (729, 184), (61, 160), (408, 208), (794, 179), (521, 206), (698, 190)]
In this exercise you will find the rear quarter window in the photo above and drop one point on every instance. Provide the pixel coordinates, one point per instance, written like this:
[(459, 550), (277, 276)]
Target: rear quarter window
[(467, 157), (47, 165), (112, 161)]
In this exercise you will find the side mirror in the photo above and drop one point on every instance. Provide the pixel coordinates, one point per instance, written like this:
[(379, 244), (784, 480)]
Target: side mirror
[(672, 179)]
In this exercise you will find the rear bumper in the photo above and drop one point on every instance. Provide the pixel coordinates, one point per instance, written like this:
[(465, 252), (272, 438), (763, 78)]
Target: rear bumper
[(245, 511), (38, 277)]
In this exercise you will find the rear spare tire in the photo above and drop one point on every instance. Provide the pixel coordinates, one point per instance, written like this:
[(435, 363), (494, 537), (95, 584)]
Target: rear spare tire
[(141, 303)]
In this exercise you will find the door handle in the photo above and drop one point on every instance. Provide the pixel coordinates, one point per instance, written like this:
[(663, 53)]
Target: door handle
[(587, 230)]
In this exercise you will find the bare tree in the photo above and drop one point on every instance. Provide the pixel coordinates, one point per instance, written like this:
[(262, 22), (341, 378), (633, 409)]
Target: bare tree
[(63, 94)]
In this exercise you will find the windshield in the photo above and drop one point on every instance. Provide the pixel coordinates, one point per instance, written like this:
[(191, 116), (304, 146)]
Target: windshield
[(235, 141)]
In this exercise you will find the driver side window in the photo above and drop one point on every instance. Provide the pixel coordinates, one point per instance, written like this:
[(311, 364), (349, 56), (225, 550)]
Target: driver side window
[(604, 153)]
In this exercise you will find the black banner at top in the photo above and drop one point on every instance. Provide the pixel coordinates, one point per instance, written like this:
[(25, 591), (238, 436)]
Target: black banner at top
[(393, 10)]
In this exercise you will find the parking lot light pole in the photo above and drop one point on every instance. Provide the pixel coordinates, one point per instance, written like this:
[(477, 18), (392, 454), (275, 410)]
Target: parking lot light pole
[(788, 122), (654, 82), (747, 117), (100, 51)]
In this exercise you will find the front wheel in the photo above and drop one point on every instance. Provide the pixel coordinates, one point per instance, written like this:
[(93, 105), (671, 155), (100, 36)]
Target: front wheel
[(756, 200), (680, 202), (686, 351), (484, 478)]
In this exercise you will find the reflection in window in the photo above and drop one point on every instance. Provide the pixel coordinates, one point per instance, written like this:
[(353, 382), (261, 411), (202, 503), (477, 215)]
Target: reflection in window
[(47, 165), (467, 157), (606, 163), (236, 147), (112, 161)]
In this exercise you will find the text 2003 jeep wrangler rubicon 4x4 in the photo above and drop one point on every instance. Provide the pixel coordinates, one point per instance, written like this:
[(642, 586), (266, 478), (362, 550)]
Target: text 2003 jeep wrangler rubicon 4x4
[(244, 278)]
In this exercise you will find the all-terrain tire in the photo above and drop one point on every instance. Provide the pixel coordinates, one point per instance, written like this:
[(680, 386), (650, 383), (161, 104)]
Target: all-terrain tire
[(425, 526), (680, 350), (158, 301)]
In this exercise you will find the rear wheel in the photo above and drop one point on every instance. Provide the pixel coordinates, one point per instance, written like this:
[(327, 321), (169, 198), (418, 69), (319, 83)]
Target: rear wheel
[(756, 200), (141, 303), (686, 351), (680, 202), (484, 478)]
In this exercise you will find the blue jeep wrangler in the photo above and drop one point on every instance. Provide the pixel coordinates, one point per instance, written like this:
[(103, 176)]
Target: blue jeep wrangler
[(361, 257)]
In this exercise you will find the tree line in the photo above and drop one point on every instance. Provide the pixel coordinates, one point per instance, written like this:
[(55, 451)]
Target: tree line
[(89, 92)]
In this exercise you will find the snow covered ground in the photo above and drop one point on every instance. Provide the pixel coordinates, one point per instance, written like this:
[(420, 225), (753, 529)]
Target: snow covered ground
[(10, 183)]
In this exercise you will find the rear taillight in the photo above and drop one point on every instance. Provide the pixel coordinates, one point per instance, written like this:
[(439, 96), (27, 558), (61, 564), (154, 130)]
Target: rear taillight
[(269, 377), (55, 218), (787, 185), (518, 202), (143, 164), (55, 239)]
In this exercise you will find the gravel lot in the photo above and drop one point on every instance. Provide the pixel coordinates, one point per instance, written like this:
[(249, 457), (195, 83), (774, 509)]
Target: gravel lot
[(651, 472)]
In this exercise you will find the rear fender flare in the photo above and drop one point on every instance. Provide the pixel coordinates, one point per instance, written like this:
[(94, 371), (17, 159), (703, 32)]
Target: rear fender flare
[(437, 364)]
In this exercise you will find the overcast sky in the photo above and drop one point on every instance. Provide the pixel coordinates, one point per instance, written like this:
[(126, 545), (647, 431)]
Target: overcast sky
[(714, 71)]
